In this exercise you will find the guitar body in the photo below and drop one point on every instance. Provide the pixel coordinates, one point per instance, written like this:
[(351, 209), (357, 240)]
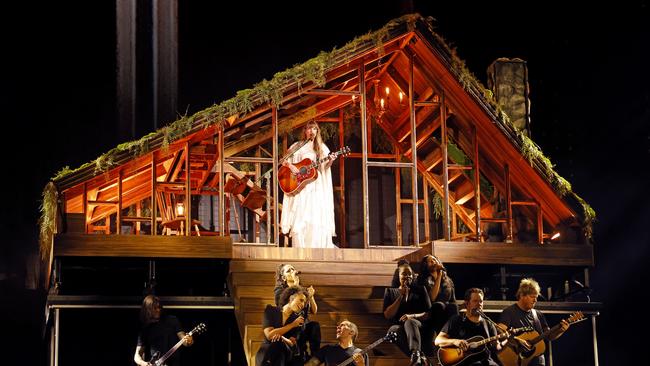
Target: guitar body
[(451, 356), (291, 183), (515, 354)]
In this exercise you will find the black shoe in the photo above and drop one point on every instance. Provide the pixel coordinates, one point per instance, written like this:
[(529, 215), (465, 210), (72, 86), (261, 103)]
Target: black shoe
[(416, 358)]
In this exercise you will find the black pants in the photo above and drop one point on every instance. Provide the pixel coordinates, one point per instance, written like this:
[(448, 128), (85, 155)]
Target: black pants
[(312, 336), (408, 336)]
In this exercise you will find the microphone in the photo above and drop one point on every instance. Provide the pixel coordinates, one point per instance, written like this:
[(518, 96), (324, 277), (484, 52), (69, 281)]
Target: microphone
[(298, 272)]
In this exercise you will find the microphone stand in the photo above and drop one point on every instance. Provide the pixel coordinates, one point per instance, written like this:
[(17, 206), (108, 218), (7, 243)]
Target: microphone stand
[(285, 157), (481, 313)]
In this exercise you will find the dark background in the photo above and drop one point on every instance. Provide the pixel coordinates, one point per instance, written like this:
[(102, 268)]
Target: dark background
[(590, 102)]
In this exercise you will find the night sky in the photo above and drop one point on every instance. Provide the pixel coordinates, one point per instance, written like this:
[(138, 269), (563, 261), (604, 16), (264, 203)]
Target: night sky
[(589, 81)]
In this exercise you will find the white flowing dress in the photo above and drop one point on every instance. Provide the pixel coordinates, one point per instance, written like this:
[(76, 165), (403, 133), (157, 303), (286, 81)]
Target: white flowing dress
[(308, 216)]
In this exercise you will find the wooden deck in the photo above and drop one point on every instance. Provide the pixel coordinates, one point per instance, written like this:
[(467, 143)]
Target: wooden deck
[(222, 247)]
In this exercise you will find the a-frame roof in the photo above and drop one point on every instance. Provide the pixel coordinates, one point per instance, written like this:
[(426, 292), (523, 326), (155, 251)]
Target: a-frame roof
[(300, 94)]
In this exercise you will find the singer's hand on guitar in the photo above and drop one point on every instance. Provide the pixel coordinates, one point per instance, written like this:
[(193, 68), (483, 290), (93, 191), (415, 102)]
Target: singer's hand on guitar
[(292, 167), (332, 156)]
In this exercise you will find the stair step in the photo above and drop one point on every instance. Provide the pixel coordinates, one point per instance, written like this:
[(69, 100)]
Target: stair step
[(322, 292), (367, 334), (313, 267), (317, 279), (373, 306), (361, 320)]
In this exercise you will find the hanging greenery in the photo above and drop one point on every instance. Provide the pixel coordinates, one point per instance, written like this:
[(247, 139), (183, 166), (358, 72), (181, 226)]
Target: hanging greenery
[(437, 204), (47, 222)]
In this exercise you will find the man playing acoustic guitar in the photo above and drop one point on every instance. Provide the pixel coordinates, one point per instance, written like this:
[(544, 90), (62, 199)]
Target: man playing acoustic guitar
[(458, 330), (522, 313), (335, 354)]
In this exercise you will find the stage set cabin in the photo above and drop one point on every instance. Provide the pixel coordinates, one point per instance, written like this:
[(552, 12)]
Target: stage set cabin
[(438, 164)]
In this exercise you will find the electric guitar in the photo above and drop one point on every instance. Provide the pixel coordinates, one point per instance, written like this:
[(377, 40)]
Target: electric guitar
[(390, 337), (516, 353), (157, 360), (291, 183), (450, 356)]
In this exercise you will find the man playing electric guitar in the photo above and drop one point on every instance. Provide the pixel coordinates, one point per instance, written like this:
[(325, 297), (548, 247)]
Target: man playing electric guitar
[(335, 354), (459, 328), (158, 334), (522, 313)]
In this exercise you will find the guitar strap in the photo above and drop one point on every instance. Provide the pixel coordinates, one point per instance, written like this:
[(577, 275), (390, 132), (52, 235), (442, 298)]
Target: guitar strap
[(538, 324)]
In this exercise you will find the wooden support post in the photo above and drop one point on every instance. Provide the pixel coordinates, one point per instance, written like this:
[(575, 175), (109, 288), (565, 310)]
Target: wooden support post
[(509, 235), (398, 203), (446, 220), (414, 156), (154, 206), (364, 156), (477, 186), (222, 176), (118, 215), (84, 206), (540, 224), (342, 213), (188, 193), (276, 193), (425, 198)]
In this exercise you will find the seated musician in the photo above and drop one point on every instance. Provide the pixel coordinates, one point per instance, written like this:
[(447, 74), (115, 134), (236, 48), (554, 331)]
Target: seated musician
[(282, 327), (335, 354), (407, 307), (286, 276), (522, 313), (459, 328)]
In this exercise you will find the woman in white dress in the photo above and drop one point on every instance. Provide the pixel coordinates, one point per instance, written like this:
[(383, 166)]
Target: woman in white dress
[(308, 216)]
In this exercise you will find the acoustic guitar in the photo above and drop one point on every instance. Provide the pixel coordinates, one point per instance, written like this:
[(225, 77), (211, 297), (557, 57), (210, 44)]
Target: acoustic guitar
[(291, 183), (517, 354), (477, 347), (390, 337), (158, 360)]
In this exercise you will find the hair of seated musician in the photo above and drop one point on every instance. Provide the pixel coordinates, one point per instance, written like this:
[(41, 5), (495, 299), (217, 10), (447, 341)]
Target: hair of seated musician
[(290, 292), (470, 291), (150, 310), (528, 286), (395, 281)]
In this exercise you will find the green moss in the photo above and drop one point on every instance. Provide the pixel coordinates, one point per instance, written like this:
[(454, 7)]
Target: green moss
[(47, 221)]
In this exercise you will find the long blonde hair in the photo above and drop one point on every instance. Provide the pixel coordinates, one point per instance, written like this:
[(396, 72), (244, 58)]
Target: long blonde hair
[(318, 139)]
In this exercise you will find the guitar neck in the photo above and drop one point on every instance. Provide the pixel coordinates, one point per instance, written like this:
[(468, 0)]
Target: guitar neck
[(171, 351), (320, 161), (545, 335), (363, 352)]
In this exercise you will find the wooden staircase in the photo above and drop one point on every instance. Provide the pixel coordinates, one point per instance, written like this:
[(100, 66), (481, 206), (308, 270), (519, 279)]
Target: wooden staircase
[(350, 290)]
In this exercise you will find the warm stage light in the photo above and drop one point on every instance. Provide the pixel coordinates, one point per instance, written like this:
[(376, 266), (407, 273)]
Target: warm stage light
[(180, 209), (555, 236)]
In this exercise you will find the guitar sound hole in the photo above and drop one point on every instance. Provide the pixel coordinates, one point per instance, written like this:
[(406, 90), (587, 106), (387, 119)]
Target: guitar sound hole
[(303, 170)]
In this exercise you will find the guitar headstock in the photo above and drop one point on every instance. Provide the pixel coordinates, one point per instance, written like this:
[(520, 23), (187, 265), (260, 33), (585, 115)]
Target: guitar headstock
[(198, 329), (345, 151), (391, 337), (575, 317)]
